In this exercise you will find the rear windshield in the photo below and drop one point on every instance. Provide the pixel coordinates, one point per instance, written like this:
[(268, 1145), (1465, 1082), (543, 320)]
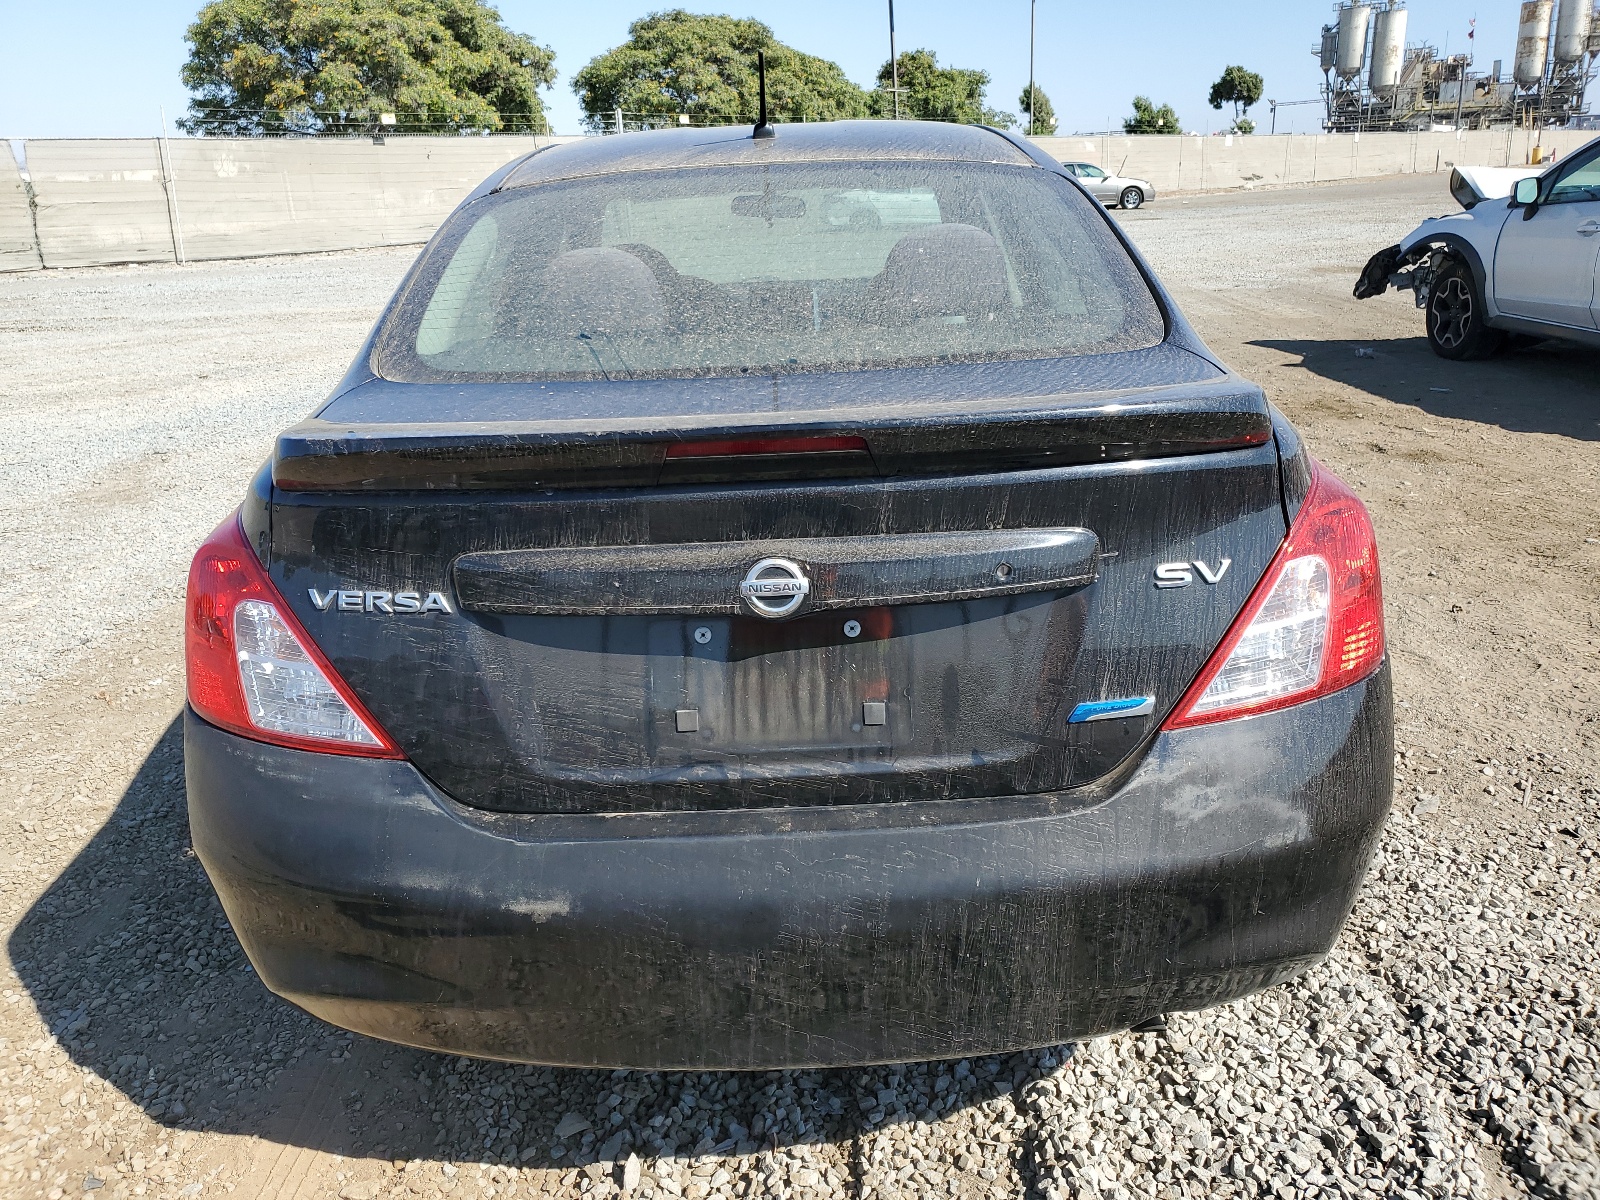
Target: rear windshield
[(802, 267)]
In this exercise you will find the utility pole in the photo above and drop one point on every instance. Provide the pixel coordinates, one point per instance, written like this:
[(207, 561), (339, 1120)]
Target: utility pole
[(1033, 102), (894, 65)]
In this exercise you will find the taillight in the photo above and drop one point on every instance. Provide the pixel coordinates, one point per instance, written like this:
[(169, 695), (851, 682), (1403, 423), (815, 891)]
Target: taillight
[(252, 668), (1313, 625)]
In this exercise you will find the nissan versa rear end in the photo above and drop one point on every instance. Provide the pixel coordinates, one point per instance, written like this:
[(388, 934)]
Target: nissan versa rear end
[(784, 601)]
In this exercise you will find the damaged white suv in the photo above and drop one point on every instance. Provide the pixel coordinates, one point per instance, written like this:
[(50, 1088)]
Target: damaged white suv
[(1524, 264)]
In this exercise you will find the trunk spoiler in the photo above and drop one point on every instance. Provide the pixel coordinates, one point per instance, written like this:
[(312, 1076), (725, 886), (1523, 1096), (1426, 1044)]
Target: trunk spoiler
[(1016, 434)]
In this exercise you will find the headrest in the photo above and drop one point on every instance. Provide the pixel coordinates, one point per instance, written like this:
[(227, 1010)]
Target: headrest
[(601, 290), (944, 270)]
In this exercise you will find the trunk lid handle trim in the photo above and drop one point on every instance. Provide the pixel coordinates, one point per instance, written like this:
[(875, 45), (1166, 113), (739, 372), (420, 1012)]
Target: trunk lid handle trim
[(710, 578)]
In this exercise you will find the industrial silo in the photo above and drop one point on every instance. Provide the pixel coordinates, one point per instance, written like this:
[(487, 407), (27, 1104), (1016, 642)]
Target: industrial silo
[(1388, 48), (1572, 30), (1330, 47), (1353, 22), (1533, 42)]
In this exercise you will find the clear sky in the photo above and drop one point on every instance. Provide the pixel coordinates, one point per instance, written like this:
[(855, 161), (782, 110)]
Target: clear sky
[(104, 68)]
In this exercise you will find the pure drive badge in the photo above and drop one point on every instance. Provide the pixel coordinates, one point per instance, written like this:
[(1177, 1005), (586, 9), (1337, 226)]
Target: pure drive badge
[(379, 602)]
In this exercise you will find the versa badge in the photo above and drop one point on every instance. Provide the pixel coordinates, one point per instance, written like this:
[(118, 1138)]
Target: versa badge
[(379, 602)]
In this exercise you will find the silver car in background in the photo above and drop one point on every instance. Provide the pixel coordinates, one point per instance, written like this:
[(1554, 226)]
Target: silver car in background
[(1117, 190)]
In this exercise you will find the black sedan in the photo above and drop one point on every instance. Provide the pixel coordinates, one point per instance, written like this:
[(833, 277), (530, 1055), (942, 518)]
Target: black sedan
[(800, 599)]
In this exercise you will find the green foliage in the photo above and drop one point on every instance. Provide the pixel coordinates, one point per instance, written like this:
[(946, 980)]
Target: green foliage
[(705, 67), (1043, 122), (1241, 89), (332, 66), (929, 92), (1147, 118)]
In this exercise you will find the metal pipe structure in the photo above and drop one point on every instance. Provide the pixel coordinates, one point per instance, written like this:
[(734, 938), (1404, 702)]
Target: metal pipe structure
[(1572, 30), (1329, 51), (1033, 99), (1374, 80), (1533, 43), (1388, 48), (169, 183), (894, 65), (1275, 105), (1353, 23)]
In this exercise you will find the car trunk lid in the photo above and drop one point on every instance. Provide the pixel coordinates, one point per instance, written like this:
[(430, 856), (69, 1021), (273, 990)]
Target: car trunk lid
[(979, 595)]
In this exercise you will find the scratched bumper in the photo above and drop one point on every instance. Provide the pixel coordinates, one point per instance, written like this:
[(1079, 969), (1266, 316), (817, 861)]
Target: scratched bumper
[(1225, 862)]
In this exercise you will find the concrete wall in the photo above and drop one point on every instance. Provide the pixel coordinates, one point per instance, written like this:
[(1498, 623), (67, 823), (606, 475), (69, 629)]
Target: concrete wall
[(139, 200), (100, 202), (136, 200), (19, 250), (1196, 164)]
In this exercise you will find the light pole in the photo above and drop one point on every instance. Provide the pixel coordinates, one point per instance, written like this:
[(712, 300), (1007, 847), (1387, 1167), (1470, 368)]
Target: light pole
[(1033, 102), (894, 65), (1277, 104)]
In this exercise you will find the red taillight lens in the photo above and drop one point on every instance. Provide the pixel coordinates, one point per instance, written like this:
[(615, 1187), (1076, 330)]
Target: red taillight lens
[(254, 671), (1314, 623)]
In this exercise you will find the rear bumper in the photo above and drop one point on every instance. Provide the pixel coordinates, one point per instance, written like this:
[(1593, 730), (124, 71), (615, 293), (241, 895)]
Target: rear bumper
[(1225, 862)]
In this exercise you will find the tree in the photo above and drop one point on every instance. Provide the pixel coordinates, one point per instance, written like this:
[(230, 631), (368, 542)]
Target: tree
[(1042, 123), (275, 66), (705, 67), (1241, 89), (1147, 118), (929, 92)]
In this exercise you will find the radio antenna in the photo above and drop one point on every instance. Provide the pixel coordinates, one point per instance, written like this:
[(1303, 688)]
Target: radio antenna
[(763, 129)]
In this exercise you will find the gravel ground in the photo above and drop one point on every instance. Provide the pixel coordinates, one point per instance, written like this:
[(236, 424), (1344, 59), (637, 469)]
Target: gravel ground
[(133, 392), (1448, 1047)]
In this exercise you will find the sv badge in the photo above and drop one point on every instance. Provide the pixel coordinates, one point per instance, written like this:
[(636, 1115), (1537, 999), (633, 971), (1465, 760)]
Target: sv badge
[(1181, 574)]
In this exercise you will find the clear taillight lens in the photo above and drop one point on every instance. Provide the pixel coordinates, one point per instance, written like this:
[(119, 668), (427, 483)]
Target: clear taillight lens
[(1314, 623), (1281, 651), (283, 689), (253, 671)]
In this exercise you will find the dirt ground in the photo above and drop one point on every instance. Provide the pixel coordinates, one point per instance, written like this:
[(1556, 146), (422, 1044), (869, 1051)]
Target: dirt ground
[(139, 1056)]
